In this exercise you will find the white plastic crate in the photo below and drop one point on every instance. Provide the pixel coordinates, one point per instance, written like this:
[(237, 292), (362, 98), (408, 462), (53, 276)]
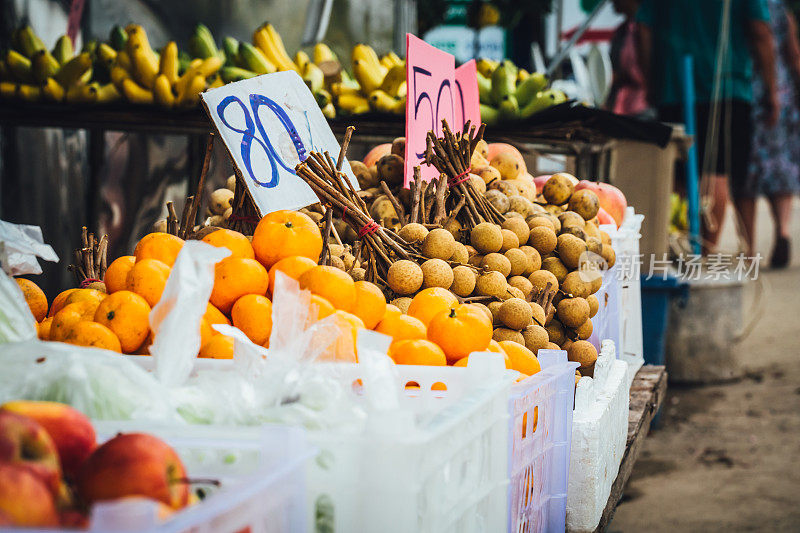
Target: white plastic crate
[(541, 430), (599, 433), (625, 242), (261, 471), (437, 464)]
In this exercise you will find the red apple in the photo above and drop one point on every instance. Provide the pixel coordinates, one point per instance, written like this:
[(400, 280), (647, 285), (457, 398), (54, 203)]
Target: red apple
[(604, 218), (70, 429), (376, 153), (25, 499), (24, 442), (586, 184), (613, 201), (495, 149), (134, 464), (540, 181)]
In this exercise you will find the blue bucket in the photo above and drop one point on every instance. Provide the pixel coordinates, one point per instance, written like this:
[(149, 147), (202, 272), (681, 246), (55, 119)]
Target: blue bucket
[(656, 295)]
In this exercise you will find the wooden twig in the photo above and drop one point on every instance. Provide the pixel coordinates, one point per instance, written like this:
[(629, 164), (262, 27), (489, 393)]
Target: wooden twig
[(398, 207), (187, 207), (191, 218), (172, 219), (324, 257)]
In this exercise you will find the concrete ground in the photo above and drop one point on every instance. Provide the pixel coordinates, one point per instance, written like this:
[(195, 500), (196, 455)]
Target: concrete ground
[(727, 457)]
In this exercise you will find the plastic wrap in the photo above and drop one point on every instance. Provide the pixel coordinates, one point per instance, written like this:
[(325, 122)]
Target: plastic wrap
[(20, 245), (16, 321)]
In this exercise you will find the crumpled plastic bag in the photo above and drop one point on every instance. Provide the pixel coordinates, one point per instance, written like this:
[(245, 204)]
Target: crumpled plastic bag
[(20, 245), (17, 323)]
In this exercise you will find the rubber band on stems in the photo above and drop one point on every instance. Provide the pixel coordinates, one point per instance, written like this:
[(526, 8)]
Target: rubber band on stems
[(461, 178), (368, 229), (88, 281)]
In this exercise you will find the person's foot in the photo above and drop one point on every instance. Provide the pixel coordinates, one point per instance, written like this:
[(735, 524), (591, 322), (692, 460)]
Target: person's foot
[(780, 255)]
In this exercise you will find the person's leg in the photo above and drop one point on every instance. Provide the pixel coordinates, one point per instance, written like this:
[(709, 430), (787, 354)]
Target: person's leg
[(712, 223), (781, 205), (746, 208), (744, 185)]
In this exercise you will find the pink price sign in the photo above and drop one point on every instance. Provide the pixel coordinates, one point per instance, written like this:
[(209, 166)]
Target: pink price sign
[(430, 75), (467, 104)]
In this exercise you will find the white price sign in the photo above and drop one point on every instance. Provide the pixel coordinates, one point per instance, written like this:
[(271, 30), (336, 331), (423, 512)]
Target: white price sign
[(269, 124)]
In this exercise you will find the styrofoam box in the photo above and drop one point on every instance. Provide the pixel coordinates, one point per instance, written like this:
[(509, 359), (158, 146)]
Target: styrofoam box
[(438, 464), (261, 471), (625, 242), (541, 430), (599, 434)]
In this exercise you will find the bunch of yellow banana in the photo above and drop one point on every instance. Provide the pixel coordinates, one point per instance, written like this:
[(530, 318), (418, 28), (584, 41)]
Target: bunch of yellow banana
[(379, 85), (31, 72), (144, 77)]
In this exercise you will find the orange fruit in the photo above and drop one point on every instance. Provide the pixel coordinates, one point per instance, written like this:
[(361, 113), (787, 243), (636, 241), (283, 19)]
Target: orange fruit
[(401, 327), (492, 348), (217, 347), (81, 295), (147, 278), (161, 246), (144, 349), (252, 313), (284, 234), (343, 349), (43, 328), (522, 359), (233, 278), (126, 314), (460, 331), (430, 302), (215, 316), (71, 314), (370, 304), (292, 266), (116, 278), (238, 244), (391, 311), (87, 333), (321, 306), (206, 331), (333, 284), (58, 301), (37, 301), (417, 352)]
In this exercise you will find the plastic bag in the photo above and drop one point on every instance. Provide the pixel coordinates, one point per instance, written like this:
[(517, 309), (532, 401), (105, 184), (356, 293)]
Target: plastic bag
[(16, 320), (175, 319), (20, 244)]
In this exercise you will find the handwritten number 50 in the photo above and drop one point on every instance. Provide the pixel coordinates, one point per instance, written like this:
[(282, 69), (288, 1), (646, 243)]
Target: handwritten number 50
[(423, 96)]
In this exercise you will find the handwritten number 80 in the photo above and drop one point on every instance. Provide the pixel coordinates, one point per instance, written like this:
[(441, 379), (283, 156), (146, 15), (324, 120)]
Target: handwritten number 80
[(253, 123)]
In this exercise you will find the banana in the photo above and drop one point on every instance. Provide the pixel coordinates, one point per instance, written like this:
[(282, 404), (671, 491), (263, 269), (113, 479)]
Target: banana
[(527, 89), (8, 89), (209, 66), (268, 40), (364, 52), (137, 37), (201, 43), (381, 101), (329, 111), (168, 62), (135, 93), (254, 59), (394, 58), (89, 47), (191, 94), (198, 67), (542, 101), (368, 77), (29, 93), (230, 74), (522, 75), (162, 91), (313, 77), (44, 65), (107, 93), (119, 75), (19, 66), (231, 48), (118, 37), (489, 115), (63, 50), (29, 42), (395, 81), (52, 90), (124, 60), (484, 89), (323, 97), (106, 54), (354, 104), (81, 94), (504, 82), (339, 89), (216, 82), (323, 53), (509, 108), (301, 59), (486, 66), (145, 66)]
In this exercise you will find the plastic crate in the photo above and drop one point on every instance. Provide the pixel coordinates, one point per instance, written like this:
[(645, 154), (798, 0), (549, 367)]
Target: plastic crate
[(599, 434), (541, 430), (437, 464), (261, 470)]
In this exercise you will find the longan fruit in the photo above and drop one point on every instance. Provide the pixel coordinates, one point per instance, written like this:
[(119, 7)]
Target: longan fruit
[(404, 277), (464, 280), (498, 262), (572, 312), (454, 227), (436, 273), (402, 303), (570, 248), (413, 233), (475, 260), (499, 200), (582, 352), (337, 262), (543, 239), (438, 244), (494, 308), (510, 240), (574, 230), (523, 284), (505, 187), (609, 255), (477, 183), (519, 261), (486, 238), (512, 214), (585, 203), (592, 230), (556, 267), (521, 205), (358, 274), (594, 245), (537, 314), (460, 253), (594, 305), (555, 331), (220, 200), (491, 283), (536, 338), (574, 284), (604, 238), (540, 219), (558, 189), (485, 309), (513, 292), (515, 313), (534, 259), (541, 278), (519, 227), (505, 334), (553, 346), (584, 331), (571, 219)]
